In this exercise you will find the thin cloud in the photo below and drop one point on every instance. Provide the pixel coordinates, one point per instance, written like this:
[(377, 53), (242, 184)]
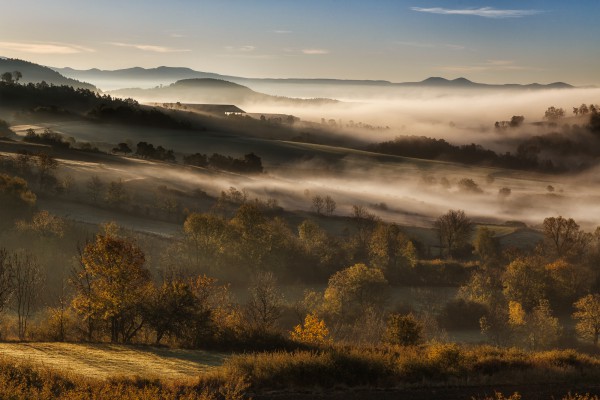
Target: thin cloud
[(243, 49), (44, 48), (248, 56), (431, 45), (315, 51), (486, 12), (417, 44), (455, 46), (281, 32), (151, 48)]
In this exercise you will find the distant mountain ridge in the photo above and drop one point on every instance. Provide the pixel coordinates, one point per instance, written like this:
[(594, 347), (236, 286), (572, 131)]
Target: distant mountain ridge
[(167, 75), (35, 73)]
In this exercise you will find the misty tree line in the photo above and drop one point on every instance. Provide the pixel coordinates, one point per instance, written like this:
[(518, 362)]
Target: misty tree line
[(47, 98), (548, 152)]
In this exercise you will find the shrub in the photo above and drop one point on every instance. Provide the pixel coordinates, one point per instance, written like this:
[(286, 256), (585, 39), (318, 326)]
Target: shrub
[(403, 330)]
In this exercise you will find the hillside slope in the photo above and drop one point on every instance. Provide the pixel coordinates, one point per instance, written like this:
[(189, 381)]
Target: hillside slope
[(209, 90), (35, 73), (108, 360)]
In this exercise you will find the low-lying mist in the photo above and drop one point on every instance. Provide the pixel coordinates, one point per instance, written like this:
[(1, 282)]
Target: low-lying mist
[(409, 192), (374, 114), (459, 116)]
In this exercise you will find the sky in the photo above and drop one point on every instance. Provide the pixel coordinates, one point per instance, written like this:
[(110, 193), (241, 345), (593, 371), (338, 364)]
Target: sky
[(486, 41)]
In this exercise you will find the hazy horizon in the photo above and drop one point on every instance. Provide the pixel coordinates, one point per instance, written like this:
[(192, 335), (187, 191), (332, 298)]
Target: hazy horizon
[(399, 41)]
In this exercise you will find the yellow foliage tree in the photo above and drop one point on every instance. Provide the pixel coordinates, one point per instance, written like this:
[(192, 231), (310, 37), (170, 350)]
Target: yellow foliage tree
[(312, 331), (111, 285)]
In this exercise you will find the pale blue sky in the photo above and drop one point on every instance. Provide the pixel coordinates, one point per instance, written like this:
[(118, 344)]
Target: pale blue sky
[(397, 40)]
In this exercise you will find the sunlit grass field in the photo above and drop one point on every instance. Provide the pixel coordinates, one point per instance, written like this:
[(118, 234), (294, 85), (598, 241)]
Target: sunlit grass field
[(102, 361)]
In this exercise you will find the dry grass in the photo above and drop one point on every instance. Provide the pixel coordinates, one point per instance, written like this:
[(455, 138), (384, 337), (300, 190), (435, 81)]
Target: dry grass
[(102, 361)]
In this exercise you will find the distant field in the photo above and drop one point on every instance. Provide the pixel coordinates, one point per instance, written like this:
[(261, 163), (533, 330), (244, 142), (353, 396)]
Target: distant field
[(106, 360)]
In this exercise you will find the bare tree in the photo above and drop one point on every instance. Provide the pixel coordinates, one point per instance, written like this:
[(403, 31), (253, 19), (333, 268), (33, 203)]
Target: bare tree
[(27, 284), (329, 205), (318, 203), (116, 194), (264, 307), (94, 187), (45, 164), (453, 229)]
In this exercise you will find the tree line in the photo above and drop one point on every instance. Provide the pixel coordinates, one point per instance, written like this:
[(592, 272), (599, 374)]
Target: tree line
[(90, 104)]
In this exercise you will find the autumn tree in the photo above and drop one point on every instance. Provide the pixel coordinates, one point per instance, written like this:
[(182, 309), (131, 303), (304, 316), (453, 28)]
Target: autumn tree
[(117, 282), (170, 306), (391, 250), (537, 329), (319, 246), (564, 238), (454, 229), (350, 292), (181, 308), (312, 331), (205, 236), (569, 280), (251, 231), (587, 315), (526, 281)]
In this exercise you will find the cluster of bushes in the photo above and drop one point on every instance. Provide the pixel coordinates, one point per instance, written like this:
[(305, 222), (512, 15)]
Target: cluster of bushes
[(249, 164), (148, 151), (14, 192), (425, 365), (439, 149), (48, 137)]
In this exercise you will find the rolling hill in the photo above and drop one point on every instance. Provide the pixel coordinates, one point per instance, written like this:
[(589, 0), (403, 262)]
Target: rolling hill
[(209, 90), (35, 73)]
